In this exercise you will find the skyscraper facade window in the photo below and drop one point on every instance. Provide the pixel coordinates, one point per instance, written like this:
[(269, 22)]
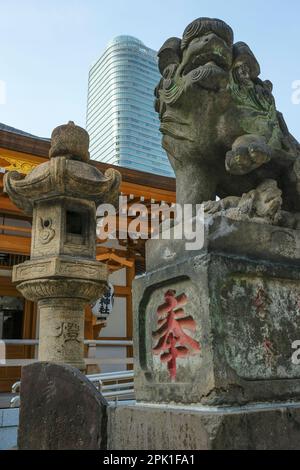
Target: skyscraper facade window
[(121, 121)]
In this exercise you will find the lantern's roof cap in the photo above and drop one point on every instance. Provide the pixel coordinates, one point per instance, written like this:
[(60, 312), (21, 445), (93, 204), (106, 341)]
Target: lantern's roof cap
[(71, 140)]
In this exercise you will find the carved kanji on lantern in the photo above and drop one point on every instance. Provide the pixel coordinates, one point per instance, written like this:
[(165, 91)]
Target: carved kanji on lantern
[(171, 340)]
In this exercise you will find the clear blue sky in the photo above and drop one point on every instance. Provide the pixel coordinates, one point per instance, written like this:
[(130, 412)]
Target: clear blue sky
[(47, 46)]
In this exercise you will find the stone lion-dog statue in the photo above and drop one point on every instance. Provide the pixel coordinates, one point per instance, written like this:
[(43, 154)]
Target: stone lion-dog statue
[(221, 129)]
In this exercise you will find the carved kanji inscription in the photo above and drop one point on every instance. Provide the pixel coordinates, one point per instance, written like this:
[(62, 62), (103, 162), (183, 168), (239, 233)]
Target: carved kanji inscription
[(171, 339)]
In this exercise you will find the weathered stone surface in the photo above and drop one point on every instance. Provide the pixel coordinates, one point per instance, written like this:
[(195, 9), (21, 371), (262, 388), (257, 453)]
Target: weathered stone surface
[(63, 275), (261, 205), (60, 409), (221, 129), (260, 427), (63, 335), (244, 314), (60, 267), (64, 226), (62, 176)]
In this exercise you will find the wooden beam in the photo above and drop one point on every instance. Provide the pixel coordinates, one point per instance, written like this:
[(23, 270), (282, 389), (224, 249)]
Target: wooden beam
[(150, 191), (109, 256), (8, 207), (13, 155), (7, 288), (21, 143), (122, 290), (104, 249), (10, 228), (15, 245)]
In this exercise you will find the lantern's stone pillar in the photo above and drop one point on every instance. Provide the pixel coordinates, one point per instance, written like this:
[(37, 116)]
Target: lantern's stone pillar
[(62, 322), (63, 275)]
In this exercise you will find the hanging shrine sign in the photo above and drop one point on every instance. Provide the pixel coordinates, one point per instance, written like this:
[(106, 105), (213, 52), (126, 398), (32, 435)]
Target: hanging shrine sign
[(104, 305)]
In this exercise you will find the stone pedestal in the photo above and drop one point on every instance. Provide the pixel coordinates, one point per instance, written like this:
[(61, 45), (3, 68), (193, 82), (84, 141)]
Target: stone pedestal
[(161, 427), (213, 341), (238, 314), (60, 410)]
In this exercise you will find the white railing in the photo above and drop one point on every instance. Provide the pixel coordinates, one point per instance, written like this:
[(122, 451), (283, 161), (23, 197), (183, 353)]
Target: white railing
[(91, 358), (112, 385), (4, 362), (20, 342), (15, 402), (103, 342), (108, 342), (108, 383)]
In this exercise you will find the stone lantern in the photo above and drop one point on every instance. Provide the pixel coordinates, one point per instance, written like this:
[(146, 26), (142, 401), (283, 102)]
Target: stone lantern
[(62, 275)]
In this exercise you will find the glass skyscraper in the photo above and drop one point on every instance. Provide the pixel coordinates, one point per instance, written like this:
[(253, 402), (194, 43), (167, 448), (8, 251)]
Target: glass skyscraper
[(121, 121)]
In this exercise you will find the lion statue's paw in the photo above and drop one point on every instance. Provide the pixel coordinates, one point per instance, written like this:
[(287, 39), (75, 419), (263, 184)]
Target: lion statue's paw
[(241, 160)]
